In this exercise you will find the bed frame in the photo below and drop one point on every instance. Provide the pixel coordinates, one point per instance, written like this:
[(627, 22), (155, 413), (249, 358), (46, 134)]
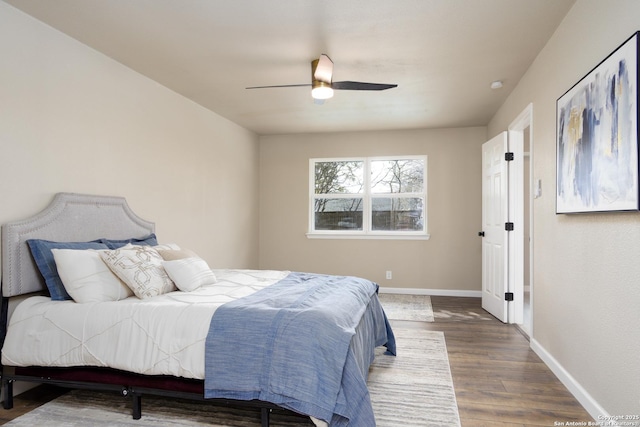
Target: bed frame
[(78, 218)]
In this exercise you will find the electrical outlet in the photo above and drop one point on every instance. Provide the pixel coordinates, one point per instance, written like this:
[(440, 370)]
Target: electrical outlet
[(389, 275)]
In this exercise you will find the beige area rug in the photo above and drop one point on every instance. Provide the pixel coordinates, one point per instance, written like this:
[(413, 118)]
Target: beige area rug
[(407, 307), (412, 389)]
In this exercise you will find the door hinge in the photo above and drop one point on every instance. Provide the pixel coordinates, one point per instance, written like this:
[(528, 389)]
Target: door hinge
[(508, 226), (508, 296), (508, 156)]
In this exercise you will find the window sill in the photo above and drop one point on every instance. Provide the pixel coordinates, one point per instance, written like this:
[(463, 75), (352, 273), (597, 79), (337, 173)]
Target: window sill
[(369, 236)]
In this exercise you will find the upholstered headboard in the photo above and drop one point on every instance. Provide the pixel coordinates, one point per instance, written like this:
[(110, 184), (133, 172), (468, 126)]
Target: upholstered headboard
[(69, 218)]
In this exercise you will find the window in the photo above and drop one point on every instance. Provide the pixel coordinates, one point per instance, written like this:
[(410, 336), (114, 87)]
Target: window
[(368, 197)]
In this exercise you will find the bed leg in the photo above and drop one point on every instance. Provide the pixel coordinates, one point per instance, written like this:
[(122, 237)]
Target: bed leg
[(7, 391), (7, 394), (137, 405), (136, 402), (264, 416)]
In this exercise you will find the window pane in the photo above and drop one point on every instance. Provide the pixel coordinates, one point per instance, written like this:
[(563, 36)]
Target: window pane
[(397, 214), (397, 176), (338, 214), (339, 177)]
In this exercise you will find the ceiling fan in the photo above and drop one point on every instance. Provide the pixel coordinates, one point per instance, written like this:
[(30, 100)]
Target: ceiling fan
[(322, 86)]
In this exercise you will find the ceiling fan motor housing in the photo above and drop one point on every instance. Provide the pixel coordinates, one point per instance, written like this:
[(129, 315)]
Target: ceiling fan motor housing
[(319, 89)]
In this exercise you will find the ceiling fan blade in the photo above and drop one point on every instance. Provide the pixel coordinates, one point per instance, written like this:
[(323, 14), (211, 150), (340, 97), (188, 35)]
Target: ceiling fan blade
[(321, 75), (361, 86), (268, 87), (324, 69)]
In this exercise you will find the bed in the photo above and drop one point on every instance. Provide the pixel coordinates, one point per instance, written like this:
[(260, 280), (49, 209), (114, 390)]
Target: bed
[(276, 340)]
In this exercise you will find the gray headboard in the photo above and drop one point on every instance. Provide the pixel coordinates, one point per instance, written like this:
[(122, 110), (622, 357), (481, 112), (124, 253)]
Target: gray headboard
[(69, 218)]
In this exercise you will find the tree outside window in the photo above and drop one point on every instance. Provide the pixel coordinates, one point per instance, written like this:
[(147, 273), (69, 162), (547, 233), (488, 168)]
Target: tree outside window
[(368, 195)]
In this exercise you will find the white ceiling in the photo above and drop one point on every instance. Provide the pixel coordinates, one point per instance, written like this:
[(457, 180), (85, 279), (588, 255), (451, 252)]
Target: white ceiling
[(443, 54)]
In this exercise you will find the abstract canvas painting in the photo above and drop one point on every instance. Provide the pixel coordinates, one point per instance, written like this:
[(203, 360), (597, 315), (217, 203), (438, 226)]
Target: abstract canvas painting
[(597, 137)]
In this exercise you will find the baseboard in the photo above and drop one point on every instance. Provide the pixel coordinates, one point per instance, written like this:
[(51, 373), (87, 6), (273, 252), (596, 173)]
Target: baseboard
[(586, 400), (434, 292)]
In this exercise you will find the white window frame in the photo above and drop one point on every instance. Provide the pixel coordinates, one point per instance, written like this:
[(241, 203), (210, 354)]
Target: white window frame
[(367, 196)]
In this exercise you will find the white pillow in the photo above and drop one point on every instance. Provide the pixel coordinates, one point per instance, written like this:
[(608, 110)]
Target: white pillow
[(86, 278), (140, 267), (189, 273)]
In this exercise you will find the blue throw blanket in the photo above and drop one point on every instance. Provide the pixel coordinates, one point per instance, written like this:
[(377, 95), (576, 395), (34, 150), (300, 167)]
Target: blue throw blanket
[(291, 344)]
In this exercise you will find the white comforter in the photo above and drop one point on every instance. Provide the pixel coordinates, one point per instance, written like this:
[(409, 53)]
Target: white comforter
[(164, 335)]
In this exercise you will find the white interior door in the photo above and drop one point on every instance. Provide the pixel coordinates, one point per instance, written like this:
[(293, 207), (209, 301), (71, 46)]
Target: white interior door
[(495, 211)]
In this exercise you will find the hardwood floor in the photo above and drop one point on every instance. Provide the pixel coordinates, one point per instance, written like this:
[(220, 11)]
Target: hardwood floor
[(29, 401), (499, 381)]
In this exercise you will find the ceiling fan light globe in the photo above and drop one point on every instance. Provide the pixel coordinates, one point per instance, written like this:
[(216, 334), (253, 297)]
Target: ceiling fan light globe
[(322, 92)]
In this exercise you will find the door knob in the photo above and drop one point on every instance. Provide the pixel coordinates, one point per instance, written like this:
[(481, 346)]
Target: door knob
[(481, 234)]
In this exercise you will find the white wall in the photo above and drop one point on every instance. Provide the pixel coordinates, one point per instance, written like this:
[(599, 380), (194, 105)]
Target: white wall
[(74, 120), (450, 261), (586, 289)]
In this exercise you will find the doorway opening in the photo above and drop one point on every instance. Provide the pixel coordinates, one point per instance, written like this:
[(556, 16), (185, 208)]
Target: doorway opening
[(507, 224), (522, 129)]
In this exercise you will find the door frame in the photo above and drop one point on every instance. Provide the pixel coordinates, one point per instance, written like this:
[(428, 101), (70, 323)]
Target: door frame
[(516, 131)]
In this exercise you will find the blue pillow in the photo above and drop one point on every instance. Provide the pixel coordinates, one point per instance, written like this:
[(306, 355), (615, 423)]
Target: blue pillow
[(42, 255), (150, 240)]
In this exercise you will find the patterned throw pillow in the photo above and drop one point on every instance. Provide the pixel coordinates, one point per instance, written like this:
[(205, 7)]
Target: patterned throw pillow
[(140, 267)]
